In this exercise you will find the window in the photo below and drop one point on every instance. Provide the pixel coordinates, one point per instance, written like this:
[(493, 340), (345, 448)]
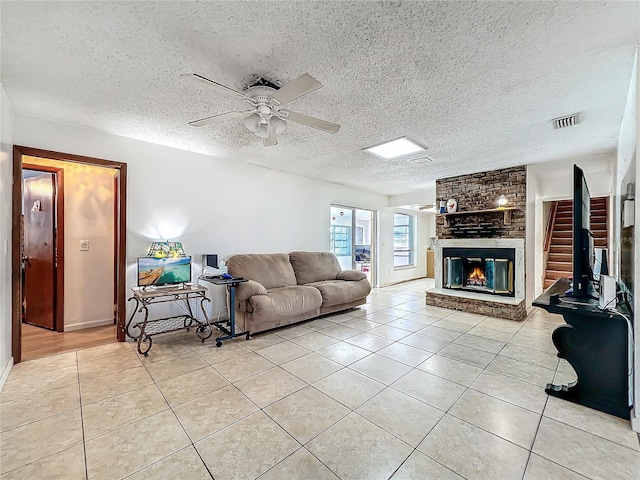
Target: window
[(340, 241), (403, 240)]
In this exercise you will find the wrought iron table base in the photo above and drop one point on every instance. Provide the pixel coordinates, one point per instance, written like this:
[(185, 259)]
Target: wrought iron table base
[(148, 328)]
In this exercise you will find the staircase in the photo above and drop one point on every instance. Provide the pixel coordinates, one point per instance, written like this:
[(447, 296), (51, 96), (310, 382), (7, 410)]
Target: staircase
[(559, 261)]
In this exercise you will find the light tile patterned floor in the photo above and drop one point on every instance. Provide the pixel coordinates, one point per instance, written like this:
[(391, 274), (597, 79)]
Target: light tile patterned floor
[(394, 389)]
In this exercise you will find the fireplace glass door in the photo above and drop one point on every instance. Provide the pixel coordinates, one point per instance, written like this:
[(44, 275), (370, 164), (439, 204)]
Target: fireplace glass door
[(479, 273)]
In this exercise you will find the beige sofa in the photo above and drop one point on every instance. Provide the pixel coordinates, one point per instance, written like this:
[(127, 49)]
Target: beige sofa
[(284, 289)]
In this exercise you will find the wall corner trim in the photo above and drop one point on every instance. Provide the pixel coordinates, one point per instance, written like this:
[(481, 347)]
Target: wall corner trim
[(635, 420), (5, 373)]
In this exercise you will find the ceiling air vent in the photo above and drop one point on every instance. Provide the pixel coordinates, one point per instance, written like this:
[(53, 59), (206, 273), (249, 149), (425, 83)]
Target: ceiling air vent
[(563, 122), (421, 160)]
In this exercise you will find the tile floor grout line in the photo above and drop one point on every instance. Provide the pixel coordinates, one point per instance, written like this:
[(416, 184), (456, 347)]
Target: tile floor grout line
[(423, 453), (322, 431), (84, 441), (535, 436), (326, 466), (408, 395), (498, 398), (490, 432), (170, 408), (591, 433), (541, 456)]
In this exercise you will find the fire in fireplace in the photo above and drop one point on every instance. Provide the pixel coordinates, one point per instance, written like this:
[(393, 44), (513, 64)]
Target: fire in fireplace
[(475, 272), (479, 270)]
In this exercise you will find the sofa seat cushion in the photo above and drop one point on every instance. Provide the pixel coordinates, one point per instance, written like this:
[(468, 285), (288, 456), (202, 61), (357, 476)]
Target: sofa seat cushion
[(285, 302), (336, 292), (314, 266), (271, 270)]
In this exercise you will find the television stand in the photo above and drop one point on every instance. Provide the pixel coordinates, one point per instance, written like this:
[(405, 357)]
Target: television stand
[(595, 343), (144, 297)]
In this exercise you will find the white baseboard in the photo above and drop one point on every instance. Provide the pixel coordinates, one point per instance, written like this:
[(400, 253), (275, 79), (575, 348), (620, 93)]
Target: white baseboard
[(5, 372), (635, 421), (398, 282), (92, 323)]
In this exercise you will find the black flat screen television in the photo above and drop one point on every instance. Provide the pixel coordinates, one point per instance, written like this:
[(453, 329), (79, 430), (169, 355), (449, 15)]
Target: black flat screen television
[(582, 237), (163, 271)]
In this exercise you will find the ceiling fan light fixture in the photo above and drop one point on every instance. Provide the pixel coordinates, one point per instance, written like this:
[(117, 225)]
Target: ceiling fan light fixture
[(263, 131), (263, 115), (278, 124), (252, 122)]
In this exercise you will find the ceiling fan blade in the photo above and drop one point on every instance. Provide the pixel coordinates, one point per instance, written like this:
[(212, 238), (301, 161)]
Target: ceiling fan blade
[(221, 116), (302, 85), (218, 86), (271, 140), (314, 122)]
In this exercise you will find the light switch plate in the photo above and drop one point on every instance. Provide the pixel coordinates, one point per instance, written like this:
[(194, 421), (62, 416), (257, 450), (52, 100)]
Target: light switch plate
[(84, 245)]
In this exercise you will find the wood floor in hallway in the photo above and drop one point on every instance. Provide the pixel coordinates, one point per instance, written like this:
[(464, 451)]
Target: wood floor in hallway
[(39, 342)]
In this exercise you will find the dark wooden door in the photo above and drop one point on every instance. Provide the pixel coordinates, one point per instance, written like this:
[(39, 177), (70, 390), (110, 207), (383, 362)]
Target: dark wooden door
[(39, 250)]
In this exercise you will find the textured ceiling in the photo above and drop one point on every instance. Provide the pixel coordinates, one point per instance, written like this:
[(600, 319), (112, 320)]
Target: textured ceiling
[(476, 82)]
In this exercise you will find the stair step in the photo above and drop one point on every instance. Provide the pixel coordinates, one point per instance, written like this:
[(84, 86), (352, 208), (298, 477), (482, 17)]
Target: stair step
[(560, 257), (560, 249), (555, 274), (568, 214), (562, 241), (561, 234), (560, 266), (563, 227)]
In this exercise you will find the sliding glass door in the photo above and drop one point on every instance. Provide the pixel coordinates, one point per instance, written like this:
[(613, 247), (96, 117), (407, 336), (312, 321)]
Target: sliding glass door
[(352, 237)]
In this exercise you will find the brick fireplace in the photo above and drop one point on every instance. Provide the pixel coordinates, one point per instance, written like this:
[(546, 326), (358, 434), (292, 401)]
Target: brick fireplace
[(479, 255)]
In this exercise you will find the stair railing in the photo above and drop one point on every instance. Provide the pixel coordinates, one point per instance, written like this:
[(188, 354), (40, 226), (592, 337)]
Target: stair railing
[(551, 223)]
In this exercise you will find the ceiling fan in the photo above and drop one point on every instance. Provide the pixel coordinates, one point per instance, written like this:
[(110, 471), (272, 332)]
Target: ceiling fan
[(264, 114)]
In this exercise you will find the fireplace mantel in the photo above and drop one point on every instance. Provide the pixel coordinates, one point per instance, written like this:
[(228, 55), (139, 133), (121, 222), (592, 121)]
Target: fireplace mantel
[(504, 210)]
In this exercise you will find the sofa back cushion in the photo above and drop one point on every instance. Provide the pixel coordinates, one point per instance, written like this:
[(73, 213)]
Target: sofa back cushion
[(271, 270), (314, 266)]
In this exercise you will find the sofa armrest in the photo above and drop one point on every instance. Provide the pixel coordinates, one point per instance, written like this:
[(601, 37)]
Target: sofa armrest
[(351, 275), (246, 290)]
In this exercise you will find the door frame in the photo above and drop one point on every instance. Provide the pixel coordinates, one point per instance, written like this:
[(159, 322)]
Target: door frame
[(58, 257), (120, 248), (374, 237)]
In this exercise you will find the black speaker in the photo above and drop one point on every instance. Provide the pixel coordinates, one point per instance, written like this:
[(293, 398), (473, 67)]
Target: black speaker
[(210, 260)]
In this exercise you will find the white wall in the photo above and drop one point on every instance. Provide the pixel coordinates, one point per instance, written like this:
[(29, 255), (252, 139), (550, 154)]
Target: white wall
[(211, 205), (635, 422), (425, 233), (423, 197), (627, 171), (6, 173), (89, 215), (549, 181), (389, 274), (533, 240)]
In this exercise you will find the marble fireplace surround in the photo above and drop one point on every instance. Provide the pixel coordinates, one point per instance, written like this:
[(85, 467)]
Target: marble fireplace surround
[(516, 243)]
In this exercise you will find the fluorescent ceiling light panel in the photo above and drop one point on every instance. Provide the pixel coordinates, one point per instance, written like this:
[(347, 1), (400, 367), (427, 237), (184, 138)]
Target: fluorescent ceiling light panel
[(395, 148)]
